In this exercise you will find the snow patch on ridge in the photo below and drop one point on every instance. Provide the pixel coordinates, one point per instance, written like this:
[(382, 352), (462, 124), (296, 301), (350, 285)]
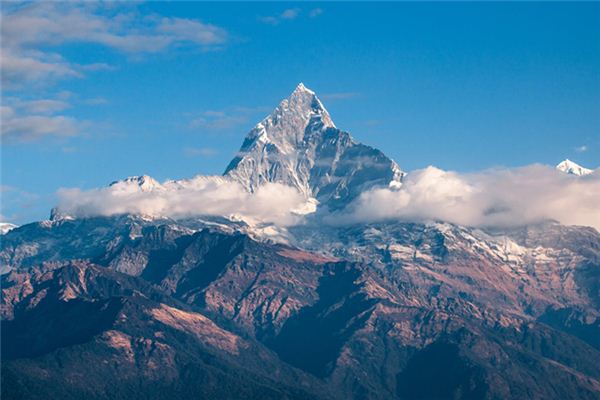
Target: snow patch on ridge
[(6, 227), (569, 167)]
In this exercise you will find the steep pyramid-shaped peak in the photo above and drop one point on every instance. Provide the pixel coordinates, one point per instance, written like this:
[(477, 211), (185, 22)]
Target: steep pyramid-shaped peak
[(298, 145), (303, 89), (287, 123), (570, 167)]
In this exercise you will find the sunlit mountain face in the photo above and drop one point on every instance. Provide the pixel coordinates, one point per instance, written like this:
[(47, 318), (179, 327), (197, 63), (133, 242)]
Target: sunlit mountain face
[(288, 277)]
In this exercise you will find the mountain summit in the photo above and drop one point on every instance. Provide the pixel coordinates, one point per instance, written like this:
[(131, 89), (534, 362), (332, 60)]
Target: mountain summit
[(300, 146), (569, 167)]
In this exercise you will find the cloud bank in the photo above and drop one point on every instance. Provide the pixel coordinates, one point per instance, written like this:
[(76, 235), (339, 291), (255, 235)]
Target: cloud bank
[(494, 198), (207, 196)]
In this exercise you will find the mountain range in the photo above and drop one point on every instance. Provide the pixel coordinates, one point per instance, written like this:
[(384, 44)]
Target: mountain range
[(136, 305)]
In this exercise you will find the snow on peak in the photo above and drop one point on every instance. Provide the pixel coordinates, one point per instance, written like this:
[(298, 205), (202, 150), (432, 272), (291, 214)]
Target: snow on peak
[(299, 145), (144, 183), (5, 227), (302, 88), (569, 167), (296, 146)]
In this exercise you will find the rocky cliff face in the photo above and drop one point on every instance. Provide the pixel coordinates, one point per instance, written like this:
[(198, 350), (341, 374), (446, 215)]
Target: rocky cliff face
[(85, 331), (377, 313)]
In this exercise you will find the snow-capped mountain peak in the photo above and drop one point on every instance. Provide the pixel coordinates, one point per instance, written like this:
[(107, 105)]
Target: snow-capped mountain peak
[(285, 127), (5, 227), (569, 167), (297, 145), (144, 183), (300, 146)]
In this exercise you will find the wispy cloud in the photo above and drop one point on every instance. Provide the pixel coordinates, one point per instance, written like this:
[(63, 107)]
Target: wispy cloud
[(25, 128), (581, 149), (339, 96), (31, 58), (26, 121), (286, 15), (96, 101), (315, 12), (31, 33), (28, 66), (69, 149), (16, 203), (290, 13), (46, 106), (200, 152), (219, 120), (372, 122)]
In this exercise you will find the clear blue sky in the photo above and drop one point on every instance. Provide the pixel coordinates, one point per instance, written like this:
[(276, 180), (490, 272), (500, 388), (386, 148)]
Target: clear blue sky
[(170, 89)]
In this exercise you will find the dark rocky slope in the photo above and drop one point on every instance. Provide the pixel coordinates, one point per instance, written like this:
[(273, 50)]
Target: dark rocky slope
[(436, 304)]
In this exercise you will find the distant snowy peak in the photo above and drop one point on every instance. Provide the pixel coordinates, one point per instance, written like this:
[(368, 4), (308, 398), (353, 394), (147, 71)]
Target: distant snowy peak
[(142, 183), (569, 167), (5, 227), (145, 183), (299, 145)]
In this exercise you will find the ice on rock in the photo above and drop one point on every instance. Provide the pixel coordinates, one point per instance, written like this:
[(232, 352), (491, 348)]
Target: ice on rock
[(569, 167), (299, 145)]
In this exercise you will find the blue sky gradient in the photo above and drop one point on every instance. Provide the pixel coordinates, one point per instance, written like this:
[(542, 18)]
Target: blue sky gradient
[(462, 86)]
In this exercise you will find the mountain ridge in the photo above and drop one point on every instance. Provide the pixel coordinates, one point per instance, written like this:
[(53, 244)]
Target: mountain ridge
[(146, 306), (569, 167), (372, 302)]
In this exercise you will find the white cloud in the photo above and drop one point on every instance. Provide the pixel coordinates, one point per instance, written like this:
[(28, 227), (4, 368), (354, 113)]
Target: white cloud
[(339, 96), (315, 12), (53, 23), (288, 14), (30, 30), (26, 121), (213, 196), (19, 67), (45, 106), (494, 198), (30, 54), (96, 101), (212, 120), (581, 149), (219, 120), (200, 151), (26, 128), (508, 197), (16, 203)]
